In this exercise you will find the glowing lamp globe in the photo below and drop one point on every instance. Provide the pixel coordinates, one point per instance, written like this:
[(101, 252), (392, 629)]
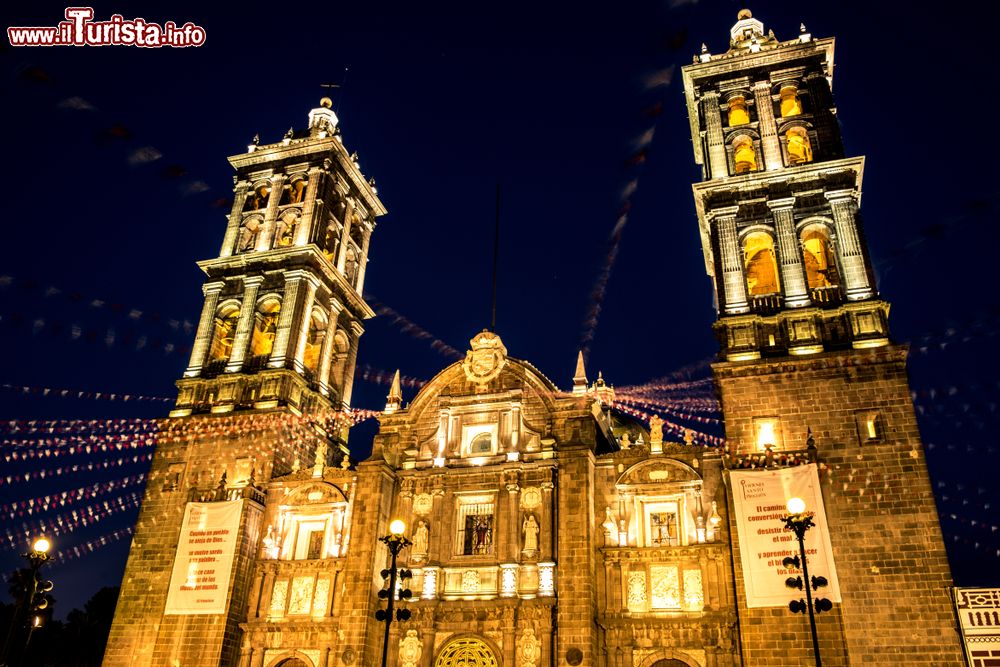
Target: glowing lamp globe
[(41, 545), (796, 506), (397, 527)]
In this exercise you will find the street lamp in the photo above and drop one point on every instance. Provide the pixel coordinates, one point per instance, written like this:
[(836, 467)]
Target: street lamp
[(396, 541), (798, 520), (32, 600)]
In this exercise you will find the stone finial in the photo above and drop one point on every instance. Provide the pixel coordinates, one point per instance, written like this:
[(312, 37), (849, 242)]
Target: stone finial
[(580, 376), (394, 401), (655, 434), (256, 139), (704, 47), (290, 133), (319, 463), (802, 27)]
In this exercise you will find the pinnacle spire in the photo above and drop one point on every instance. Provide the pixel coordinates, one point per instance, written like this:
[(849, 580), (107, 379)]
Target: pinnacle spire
[(394, 401), (580, 376)]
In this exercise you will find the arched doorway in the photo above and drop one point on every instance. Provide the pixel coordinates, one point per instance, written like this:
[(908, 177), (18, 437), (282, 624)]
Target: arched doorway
[(466, 652), (669, 663), (292, 662)]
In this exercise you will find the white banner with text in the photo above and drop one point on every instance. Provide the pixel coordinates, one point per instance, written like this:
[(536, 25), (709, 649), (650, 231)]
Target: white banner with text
[(203, 563), (760, 498)]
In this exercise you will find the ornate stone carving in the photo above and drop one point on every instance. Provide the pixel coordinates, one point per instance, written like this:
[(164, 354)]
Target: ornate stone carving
[(301, 597), (531, 498), (637, 591), (470, 581), (529, 649), (694, 596), (486, 358), (423, 503), (665, 587), (410, 648)]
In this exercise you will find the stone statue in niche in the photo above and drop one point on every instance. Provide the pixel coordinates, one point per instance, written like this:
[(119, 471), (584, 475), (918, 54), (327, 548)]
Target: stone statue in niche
[(285, 233), (420, 539), (528, 648), (530, 529)]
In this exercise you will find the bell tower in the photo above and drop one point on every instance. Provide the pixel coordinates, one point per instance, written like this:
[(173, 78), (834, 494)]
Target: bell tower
[(271, 368), (805, 346)]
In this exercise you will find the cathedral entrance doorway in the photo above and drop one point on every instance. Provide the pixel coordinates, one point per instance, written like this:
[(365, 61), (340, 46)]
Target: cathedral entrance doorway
[(466, 652), (669, 663)]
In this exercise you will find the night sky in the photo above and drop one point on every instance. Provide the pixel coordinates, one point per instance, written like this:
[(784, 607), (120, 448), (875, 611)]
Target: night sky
[(443, 101)]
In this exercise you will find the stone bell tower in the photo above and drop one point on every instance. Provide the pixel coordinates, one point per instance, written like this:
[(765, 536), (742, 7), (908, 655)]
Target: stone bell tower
[(271, 368), (805, 345)]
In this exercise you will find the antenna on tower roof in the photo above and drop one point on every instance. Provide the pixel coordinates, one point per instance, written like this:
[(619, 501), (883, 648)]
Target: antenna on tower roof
[(496, 260)]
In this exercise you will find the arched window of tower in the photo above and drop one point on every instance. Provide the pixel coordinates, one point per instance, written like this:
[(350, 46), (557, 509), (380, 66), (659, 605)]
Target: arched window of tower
[(287, 224), (739, 113), (224, 332), (295, 191), (257, 199), (744, 154), (798, 146), (265, 327), (341, 346), (790, 103), (314, 339), (761, 264), (819, 259)]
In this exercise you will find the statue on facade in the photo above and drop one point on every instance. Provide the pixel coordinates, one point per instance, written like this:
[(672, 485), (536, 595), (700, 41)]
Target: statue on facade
[(655, 433), (530, 529), (420, 540), (249, 231)]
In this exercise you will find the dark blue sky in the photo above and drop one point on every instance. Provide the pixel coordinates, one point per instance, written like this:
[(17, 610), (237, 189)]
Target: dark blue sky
[(442, 101)]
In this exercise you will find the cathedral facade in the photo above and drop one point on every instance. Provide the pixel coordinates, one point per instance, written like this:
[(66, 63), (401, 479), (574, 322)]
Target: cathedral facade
[(546, 527)]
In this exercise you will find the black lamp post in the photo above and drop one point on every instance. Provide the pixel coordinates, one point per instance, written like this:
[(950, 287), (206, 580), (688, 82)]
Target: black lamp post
[(396, 541), (32, 600), (798, 520)]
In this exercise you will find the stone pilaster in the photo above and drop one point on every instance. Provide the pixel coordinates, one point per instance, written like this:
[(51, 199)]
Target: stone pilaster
[(244, 327), (767, 126), (309, 208), (286, 317), (345, 235), (718, 165), (266, 239), (793, 278), (235, 218), (852, 259), (363, 260), (733, 282), (203, 337), (352, 360)]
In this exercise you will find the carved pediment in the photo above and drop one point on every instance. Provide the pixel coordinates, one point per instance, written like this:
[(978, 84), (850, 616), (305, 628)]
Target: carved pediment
[(657, 472), (319, 493)]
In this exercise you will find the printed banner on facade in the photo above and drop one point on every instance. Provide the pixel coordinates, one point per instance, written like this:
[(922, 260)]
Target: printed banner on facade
[(203, 563), (760, 498), (979, 619)]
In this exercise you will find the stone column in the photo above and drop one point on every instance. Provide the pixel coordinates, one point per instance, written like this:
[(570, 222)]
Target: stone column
[(427, 636), (203, 337), (235, 218), (266, 239), (852, 258), (363, 260), (766, 125), (257, 658), (324, 657), (244, 327), (352, 360), (793, 275), (302, 330), (547, 537), (718, 164), (733, 282), (309, 208), (514, 528), (286, 317), (326, 354)]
